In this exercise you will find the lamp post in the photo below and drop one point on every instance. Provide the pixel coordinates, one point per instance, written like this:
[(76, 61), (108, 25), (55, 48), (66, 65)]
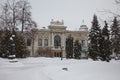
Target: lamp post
[(61, 52)]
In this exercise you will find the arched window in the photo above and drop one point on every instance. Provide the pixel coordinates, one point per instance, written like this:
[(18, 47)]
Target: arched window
[(28, 42), (57, 41)]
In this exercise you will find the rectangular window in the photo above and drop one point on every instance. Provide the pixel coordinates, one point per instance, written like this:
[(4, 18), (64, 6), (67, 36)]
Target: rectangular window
[(83, 42), (39, 42), (28, 42), (45, 42)]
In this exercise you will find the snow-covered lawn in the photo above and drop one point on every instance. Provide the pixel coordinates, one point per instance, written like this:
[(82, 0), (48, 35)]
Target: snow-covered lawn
[(51, 69)]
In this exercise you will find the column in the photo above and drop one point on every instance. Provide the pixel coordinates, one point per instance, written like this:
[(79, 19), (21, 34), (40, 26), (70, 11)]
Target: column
[(63, 44)]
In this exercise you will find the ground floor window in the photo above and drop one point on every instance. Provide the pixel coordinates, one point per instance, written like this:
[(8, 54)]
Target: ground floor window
[(28, 42), (57, 54)]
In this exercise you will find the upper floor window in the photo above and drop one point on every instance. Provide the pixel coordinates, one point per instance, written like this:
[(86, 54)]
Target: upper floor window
[(83, 42), (28, 42), (39, 42), (57, 41), (45, 42)]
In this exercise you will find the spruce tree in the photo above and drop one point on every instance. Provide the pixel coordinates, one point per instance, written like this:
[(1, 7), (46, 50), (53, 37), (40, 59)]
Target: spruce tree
[(105, 48), (94, 38), (5, 43), (1, 37), (77, 50), (69, 47), (115, 37), (6, 48), (21, 50)]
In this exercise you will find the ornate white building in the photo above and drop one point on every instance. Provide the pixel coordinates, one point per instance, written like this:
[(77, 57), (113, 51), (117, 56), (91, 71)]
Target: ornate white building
[(51, 41)]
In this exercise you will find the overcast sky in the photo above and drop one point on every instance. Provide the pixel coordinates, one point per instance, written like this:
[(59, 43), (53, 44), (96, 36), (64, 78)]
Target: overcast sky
[(73, 12)]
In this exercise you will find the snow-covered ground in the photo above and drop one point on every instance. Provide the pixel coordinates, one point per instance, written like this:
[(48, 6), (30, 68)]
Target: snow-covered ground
[(51, 69)]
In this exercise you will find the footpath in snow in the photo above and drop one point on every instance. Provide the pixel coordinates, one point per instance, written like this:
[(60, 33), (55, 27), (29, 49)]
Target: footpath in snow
[(51, 69)]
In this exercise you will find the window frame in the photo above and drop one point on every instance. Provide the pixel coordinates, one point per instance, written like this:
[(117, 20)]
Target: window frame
[(57, 41), (45, 42), (40, 42), (29, 41)]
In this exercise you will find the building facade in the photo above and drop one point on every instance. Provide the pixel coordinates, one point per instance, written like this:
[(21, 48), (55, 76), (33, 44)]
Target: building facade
[(52, 41)]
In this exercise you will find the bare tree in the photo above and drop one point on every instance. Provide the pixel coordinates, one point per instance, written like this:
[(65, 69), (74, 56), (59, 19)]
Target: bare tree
[(5, 17), (16, 14), (31, 33), (24, 14), (118, 9), (13, 8), (117, 13)]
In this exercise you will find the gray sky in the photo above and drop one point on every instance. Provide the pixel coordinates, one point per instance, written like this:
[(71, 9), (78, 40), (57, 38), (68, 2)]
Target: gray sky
[(71, 11)]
